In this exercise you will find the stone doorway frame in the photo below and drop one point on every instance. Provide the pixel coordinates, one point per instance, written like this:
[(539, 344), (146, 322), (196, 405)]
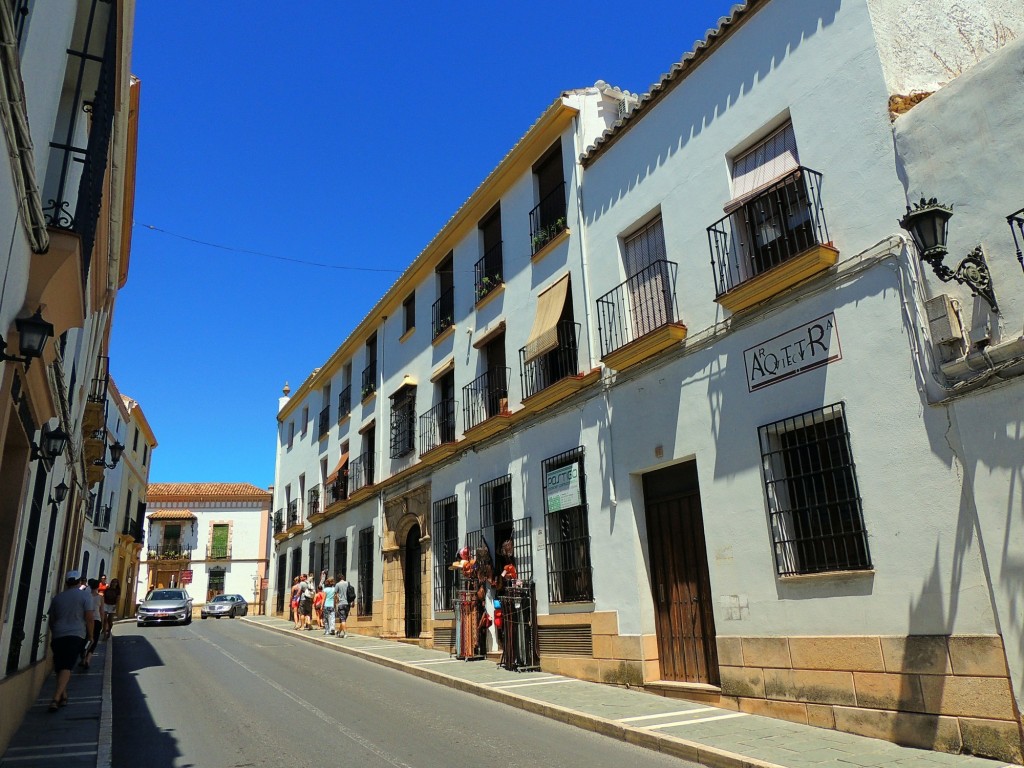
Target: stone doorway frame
[(401, 512)]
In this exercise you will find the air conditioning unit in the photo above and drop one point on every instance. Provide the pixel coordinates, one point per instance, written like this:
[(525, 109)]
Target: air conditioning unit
[(943, 322)]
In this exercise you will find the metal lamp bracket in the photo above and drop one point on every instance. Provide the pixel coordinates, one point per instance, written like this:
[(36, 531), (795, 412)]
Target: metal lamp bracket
[(972, 272)]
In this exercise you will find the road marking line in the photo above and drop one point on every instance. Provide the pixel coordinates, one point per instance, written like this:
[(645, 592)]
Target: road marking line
[(697, 720), (667, 714), (539, 682), (36, 757), (529, 679), (374, 647), (433, 661)]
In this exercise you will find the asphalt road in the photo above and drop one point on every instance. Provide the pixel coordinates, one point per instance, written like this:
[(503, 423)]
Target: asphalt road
[(223, 694)]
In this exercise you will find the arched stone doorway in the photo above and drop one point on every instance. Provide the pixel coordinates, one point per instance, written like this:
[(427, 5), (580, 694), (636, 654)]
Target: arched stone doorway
[(413, 583)]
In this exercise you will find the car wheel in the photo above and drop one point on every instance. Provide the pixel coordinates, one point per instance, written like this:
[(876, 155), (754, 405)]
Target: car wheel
[(188, 621), (218, 617), (203, 617), (232, 614), (139, 624)]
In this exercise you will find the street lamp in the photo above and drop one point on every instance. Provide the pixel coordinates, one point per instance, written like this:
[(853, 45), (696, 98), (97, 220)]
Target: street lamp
[(51, 445), (33, 333), (115, 456), (59, 493), (928, 225)]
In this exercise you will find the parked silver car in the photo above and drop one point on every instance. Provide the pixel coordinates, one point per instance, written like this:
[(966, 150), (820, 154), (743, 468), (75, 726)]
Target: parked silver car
[(165, 606), (225, 605)]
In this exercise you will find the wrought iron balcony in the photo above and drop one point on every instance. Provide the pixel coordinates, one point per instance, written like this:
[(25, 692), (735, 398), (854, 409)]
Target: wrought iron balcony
[(134, 529), (220, 552), (1016, 222), (442, 312), (547, 219), (293, 513), (98, 388), (325, 421), (437, 426), (344, 403), (773, 226), (279, 521), (369, 380), (101, 522), (360, 472), (545, 369), (642, 304), (170, 550), (338, 490), (487, 272), (485, 396), (313, 501)]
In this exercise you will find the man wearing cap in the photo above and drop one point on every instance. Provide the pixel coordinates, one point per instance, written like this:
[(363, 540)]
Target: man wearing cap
[(71, 627)]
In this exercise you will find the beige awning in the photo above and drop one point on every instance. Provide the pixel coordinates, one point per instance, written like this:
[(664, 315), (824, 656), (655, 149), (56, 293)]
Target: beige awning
[(762, 166), (337, 469), (544, 335), (488, 335)]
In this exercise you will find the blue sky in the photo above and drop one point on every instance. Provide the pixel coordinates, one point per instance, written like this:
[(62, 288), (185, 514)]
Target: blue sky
[(332, 132)]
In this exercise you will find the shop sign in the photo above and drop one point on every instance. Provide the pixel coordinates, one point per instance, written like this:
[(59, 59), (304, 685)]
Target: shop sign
[(796, 351), (563, 487), (186, 577)]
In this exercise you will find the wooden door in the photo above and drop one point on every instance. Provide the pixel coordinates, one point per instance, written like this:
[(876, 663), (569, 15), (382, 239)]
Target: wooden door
[(413, 584), (680, 583)]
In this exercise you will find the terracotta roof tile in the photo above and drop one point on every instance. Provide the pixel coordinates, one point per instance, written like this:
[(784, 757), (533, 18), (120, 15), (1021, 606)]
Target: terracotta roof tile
[(171, 514), (209, 491)]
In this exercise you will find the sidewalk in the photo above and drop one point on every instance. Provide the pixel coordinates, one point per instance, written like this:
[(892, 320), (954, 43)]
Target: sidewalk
[(76, 736), (715, 737)]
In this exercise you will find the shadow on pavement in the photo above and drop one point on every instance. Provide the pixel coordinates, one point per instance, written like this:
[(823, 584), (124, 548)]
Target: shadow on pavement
[(138, 740)]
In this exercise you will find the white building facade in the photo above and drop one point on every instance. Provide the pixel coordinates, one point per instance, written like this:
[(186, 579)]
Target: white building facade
[(747, 451)]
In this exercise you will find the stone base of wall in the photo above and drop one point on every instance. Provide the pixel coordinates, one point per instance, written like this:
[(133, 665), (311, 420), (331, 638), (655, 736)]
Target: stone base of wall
[(18, 692), (951, 694)]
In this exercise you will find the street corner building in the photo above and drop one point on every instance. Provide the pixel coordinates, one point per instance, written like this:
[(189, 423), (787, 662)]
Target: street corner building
[(714, 390), (70, 490), (208, 538)]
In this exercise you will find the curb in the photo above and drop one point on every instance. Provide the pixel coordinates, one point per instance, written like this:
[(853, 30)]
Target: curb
[(657, 742), (105, 741)]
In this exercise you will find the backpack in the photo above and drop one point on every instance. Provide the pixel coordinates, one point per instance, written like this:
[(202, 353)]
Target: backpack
[(350, 594)]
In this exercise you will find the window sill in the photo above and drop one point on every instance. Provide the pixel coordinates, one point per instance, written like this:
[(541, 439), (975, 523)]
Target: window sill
[(443, 335), (550, 245), (867, 573), (486, 299), (368, 397), (344, 418), (407, 335), (580, 607)]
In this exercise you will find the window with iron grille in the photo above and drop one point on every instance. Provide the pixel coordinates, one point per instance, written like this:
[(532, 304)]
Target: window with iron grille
[(409, 311), (325, 555), (366, 555), (282, 581), (216, 583), (496, 515), (312, 560), (446, 543), (403, 421), (814, 505), (570, 577), (341, 557)]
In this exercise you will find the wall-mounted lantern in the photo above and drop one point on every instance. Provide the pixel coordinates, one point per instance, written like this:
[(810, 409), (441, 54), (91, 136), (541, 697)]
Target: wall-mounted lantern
[(33, 333)]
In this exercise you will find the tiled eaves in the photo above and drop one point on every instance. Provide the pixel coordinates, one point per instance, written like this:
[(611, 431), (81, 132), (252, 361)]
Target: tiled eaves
[(668, 81), (157, 492)]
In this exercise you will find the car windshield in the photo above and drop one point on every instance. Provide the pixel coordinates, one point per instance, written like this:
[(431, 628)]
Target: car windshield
[(222, 599), (166, 594)]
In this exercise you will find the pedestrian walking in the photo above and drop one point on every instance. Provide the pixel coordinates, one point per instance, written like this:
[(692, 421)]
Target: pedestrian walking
[(318, 607), (97, 623), (71, 617), (306, 602), (330, 606), (295, 597), (111, 596), (346, 595)]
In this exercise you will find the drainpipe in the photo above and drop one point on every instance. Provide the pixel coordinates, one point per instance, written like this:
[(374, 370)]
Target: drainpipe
[(581, 239)]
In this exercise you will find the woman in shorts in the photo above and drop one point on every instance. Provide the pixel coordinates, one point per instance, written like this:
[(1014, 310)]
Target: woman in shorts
[(111, 596), (295, 603)]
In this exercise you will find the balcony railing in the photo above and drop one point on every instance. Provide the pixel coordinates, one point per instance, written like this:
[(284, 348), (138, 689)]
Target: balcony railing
[(360, 472), (293, 513), (325, 421), (547, 219), (369, 380), (98, 388), (344, 403), (437, 426), (443, 312), (1016, 222), (644, 303), (134, 529), (777, 224), (220, 552), (338, 490), (487, 272), (313, 501), (546, 369), (279, 521), (485, 396), (170, 550), (102, 520)]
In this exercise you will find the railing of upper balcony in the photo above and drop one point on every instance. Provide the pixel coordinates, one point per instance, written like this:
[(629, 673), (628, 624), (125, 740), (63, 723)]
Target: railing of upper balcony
[(547, 219), (360, 472), (644, 303), (98, 389), (338, 489), (313, 501), (344, 403), (170, 550), (485, 396), (369, 383), (279, 521), (101, 522), (546, 369), (487, 272), (437, 426), (325, 421), (1016, 222), (87, 119), (219, 552), (775, 225), (133, 528), (442, 312), (293, 513)]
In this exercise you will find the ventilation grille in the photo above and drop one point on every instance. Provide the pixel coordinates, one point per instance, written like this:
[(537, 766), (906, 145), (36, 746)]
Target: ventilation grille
[(444, 637), (571, 640)]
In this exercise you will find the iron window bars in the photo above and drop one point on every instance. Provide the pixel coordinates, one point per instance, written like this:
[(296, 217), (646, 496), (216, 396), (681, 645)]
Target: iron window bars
[(814, 505), (365, 597), (369, 383), (313, 501), (511, 538), (570, 575), (550, 367), (341, 556), (220, 548), (312, 570), (487, 272), (446, 541), (1016, 222), (779, 223), (338, 490), (547, 219), (293, 513), (403, 422), (97, 46), (282, 581), (360, 472), (344, 403), (442, 312), (279, 521), (642, 304), (486, 396), (325, 421), (437, 426), (325, 554)]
